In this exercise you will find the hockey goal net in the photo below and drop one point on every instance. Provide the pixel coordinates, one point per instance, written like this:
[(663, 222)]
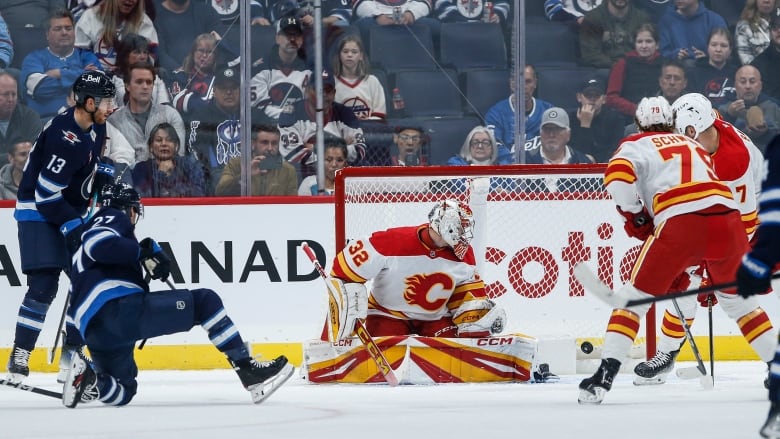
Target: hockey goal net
[(533, 224)]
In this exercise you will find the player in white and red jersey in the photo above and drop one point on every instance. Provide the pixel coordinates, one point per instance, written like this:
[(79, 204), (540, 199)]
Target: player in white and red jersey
[(665, 187), (737, 161), (425, 280)]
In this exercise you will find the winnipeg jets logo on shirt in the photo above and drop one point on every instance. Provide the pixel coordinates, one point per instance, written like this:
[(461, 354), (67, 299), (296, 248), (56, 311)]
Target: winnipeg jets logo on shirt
[(70, 137)]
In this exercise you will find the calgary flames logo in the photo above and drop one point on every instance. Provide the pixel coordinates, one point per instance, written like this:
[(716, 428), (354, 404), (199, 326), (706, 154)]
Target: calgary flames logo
[(419, 285)]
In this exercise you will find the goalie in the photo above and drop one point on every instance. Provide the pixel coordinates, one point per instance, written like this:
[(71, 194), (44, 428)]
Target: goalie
[(425, 281)]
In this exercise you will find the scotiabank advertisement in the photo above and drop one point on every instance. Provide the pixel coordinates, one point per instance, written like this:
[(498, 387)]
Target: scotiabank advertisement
[(250, 253)]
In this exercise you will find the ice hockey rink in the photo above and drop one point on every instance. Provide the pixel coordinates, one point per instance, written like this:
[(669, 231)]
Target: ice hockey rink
[(212, 404)]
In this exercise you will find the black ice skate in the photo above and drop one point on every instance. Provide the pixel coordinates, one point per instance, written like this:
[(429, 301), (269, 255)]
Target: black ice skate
[(542, 374), (262, 378), (81, 383), (18, 365), (655, 370), (771, 428), (593, 389)]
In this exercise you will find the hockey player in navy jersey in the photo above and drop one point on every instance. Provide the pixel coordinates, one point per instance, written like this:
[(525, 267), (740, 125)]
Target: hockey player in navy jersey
[(52, 203), (113, 308), (754, 275)]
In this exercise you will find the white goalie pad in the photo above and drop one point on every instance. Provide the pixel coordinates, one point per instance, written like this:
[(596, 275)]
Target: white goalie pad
[(479, 318), (346, 303)]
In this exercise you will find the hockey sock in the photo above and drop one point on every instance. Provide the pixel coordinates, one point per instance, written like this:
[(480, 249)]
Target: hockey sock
[(111, 392), (214, 319), (29, 323)]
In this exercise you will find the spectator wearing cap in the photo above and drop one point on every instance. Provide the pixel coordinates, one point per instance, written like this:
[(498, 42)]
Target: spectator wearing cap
[(178, 23), (136, 119), (685, 29), (214, 134), (501, 116), (298, 127), (595, 128), (370, 13), (282, 75), (554, 148), (768, 62), (634, 76), (409, 146)]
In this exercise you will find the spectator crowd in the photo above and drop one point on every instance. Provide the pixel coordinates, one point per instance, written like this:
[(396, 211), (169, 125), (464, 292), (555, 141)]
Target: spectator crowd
[(176, 130)]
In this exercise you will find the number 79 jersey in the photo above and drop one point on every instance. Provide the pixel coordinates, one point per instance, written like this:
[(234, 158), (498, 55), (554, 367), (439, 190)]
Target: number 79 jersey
[(411, 281), (670, 173)]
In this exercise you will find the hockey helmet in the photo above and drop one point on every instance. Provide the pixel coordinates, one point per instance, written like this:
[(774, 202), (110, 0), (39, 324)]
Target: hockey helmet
[(93, 84), (693, 110), (122, 196), (654, 111), (454, 222)]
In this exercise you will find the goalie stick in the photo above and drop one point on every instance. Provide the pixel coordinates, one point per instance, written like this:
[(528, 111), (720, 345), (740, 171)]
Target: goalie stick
[(31, 389), (360, 328)]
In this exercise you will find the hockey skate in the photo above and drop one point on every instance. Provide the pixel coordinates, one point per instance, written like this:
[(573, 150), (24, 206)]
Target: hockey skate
[(18, 365), (771, 428), (593, 389), (81, 383), (66, 358), (655, 370), (262, 379)]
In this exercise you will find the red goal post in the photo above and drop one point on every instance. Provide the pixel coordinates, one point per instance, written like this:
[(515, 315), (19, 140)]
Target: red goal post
[(533, 223)]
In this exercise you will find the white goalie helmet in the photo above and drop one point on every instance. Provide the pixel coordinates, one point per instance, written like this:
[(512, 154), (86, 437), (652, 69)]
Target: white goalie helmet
[(454, 221), (654, 110), (694, 110)]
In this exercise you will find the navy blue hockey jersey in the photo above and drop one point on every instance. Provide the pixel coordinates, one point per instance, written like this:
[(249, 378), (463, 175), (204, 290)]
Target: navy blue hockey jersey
[(767, 247), (57, 178), (106, 266)]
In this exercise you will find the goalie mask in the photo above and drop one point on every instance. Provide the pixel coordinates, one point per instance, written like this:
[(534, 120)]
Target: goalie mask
[(693, 110), (454, 221), (123, 197)]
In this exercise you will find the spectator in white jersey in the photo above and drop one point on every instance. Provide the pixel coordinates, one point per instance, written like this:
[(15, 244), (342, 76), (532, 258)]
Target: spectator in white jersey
[(356, 87)]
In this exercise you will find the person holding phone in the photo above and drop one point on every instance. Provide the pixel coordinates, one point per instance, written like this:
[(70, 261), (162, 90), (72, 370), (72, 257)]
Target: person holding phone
[(270, 174)]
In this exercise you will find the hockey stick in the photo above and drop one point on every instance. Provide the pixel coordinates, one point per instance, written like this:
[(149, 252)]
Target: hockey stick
[(712, 343), (705, 289), (31, 389), (360, 329), (692, 372), (60, 329)]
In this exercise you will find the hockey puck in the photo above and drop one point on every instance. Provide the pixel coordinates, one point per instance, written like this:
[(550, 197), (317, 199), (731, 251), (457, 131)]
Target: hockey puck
[(586, 347)]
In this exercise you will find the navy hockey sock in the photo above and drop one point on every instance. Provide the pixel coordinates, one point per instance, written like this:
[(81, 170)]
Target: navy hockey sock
[(214, 319), (29, 323)]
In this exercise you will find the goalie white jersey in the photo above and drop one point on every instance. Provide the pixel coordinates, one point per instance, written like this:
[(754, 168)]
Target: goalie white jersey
[(411, 281)]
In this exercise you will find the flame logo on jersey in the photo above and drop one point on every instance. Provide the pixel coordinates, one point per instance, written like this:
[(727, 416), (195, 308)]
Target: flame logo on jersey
[(419, 285), (70, 137)]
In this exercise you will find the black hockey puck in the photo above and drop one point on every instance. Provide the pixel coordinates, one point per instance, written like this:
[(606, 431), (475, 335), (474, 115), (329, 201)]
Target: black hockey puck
[(586, 347)]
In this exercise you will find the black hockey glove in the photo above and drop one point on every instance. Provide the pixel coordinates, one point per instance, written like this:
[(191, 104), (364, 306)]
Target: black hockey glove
[(104, 174), (753, 277), (154, 259), (72, 231)]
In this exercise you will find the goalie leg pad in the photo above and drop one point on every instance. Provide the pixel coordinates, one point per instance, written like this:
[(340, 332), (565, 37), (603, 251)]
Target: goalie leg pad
[(346, 303)]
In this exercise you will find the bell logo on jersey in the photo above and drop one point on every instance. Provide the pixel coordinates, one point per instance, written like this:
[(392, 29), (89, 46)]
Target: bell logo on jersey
[(419, 285), (70, 137)]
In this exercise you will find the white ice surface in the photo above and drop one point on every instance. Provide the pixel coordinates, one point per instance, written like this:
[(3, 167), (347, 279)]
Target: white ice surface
[(212, 404)]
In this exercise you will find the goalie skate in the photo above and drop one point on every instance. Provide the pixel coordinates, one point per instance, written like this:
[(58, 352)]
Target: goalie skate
[(655, 370), (262, 379)]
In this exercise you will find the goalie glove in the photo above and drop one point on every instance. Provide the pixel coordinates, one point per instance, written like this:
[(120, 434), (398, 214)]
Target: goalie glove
[(154, 259), (479, 318), (637, 225), (346, 303)]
